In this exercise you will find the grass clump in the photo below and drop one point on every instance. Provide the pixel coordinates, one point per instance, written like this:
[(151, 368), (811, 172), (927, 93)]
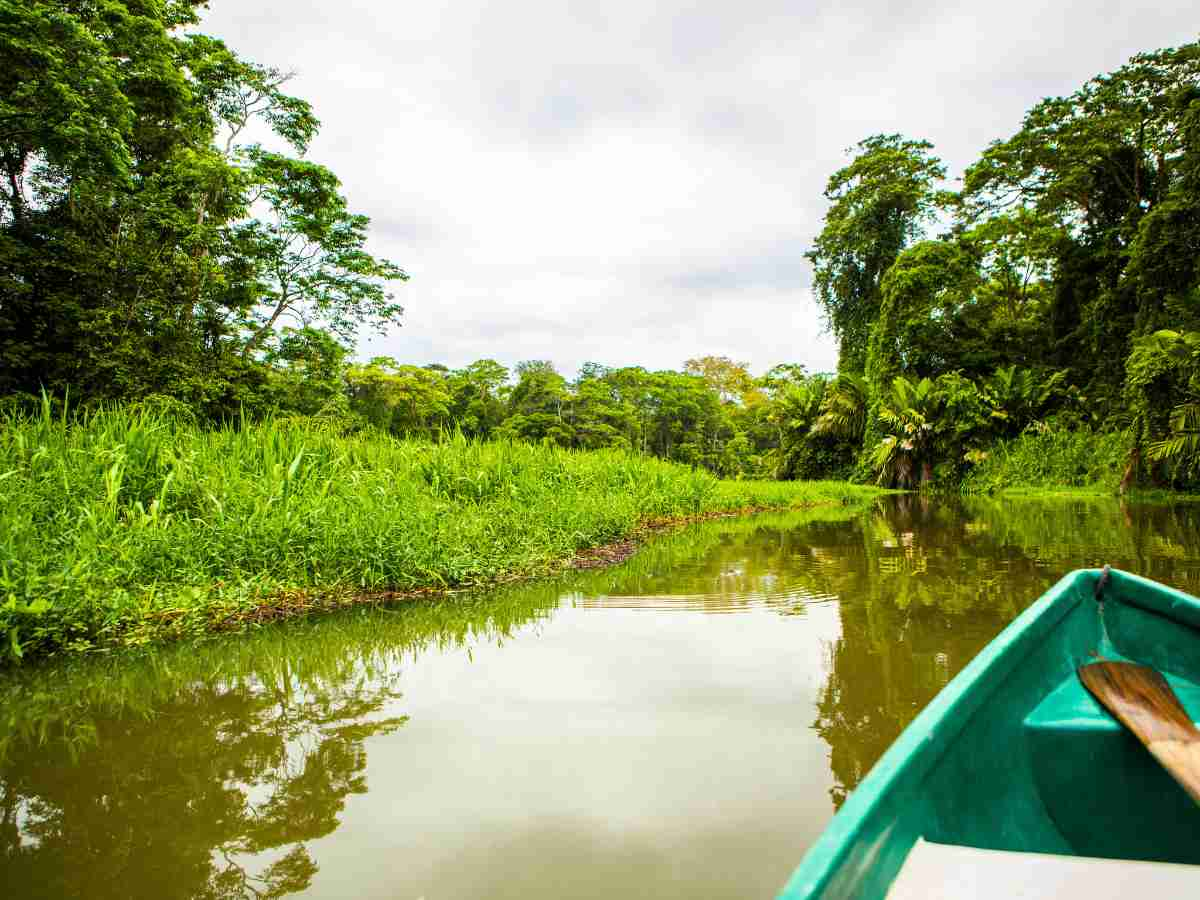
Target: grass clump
[(1052, 459), (129, 525)]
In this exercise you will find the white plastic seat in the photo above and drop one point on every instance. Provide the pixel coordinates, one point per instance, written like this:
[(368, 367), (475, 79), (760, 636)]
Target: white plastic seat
[(949, 872)]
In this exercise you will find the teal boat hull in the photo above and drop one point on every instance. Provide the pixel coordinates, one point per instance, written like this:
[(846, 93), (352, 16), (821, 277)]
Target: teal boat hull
[(1014, 754)]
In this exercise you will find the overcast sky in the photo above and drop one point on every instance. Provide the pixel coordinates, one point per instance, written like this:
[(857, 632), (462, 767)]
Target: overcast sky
[(636, 182)]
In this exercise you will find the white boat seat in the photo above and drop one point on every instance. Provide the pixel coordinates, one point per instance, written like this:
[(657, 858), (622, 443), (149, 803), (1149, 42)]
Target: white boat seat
[(949, 872)]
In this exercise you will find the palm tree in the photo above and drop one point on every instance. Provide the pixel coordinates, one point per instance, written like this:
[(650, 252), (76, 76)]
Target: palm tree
[(1019, 396), (1181, 447), (909, 411), (843, 412), (794, 412), (1165, 366)]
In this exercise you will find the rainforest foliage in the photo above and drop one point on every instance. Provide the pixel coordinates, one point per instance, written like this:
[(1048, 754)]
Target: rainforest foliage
[(159, 223), (1054, 298), (165, 240)]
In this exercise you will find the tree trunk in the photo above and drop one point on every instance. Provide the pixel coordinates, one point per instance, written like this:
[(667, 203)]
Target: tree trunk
[(13, 168), (1131, 470)]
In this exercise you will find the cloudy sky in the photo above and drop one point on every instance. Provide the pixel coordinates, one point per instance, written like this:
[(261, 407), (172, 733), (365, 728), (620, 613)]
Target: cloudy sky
[(636, 182)]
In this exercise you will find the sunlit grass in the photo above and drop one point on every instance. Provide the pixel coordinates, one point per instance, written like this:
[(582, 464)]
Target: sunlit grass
[(127, 526)]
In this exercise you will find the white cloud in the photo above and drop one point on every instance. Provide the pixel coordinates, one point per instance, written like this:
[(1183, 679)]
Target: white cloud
[(636, 183)]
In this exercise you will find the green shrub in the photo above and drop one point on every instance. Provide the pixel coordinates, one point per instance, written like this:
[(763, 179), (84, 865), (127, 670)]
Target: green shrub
[(1050, 458)]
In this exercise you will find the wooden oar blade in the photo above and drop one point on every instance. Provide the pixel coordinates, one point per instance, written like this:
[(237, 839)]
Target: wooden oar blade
[(1140, 698)]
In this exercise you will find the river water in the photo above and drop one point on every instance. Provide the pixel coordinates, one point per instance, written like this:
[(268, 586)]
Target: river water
[(683, 725)]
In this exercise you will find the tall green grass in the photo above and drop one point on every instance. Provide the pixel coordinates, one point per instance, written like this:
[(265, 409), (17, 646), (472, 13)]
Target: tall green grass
[(125, 526), (1050, 460)]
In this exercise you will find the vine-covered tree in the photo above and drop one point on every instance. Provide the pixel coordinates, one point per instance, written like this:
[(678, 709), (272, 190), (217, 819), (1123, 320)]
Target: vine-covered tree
[(880, 203)]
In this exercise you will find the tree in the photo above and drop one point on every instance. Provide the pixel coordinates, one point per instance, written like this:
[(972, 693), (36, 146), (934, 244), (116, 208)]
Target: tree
[(795, 410), (308, 371), (1017, 251), (143, 249), (537, 404), (926, 422), (539, 389), (67, 104), (600, 417), (881, 202), (928, 284), (731, 380), (686, 422), (308, 259), (1019, 397), (409, 401), (781, 377), (478, 394), (843, 408), (1163, 378), (1164, 259), (909, 412), (94, 153), (1098, 163)]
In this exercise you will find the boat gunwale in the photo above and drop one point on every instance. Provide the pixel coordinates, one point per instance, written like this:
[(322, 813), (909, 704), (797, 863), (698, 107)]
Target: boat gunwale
[(1158, 598)]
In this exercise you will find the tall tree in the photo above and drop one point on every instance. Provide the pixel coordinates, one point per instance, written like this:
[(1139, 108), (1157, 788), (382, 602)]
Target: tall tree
[(1097, 162), (479, 392), (881, 202), (306, 258)]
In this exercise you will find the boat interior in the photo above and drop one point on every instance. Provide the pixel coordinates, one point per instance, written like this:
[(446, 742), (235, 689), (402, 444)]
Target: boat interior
[(1129, 826)]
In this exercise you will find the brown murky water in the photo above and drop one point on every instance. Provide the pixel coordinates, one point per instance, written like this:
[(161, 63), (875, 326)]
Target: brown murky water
[(681, 726)]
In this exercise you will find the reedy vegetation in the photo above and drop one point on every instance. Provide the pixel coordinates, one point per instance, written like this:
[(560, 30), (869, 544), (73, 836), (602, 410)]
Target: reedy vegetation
[(125, 525)]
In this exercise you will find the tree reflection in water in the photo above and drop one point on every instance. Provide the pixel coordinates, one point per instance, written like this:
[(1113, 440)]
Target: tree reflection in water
[(206, 771), (928, 584), (183, 797)]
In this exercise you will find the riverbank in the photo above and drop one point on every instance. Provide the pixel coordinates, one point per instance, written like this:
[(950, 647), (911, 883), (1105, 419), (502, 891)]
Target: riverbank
[(129, 527)]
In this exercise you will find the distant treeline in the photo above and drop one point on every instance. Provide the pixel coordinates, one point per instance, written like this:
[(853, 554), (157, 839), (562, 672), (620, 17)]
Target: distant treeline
[(150, 249), (714, 414)]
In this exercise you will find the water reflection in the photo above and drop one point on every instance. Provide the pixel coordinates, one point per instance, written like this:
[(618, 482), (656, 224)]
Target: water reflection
[(185, 792), (604, 735), (207, 771), (930, 583)]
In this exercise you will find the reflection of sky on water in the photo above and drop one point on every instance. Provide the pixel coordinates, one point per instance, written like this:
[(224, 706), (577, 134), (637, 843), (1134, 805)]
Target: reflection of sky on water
[(603, 751)]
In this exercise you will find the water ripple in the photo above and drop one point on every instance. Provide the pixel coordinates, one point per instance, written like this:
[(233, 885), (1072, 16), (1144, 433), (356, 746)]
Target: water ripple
[(791, 601)]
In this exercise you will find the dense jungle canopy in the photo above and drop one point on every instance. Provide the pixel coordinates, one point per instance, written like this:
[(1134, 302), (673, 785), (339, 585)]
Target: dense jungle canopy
[(165, 240)]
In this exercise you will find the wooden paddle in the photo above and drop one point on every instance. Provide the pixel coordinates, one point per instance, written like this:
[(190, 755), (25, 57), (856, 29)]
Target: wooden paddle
[(1143, 701)]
